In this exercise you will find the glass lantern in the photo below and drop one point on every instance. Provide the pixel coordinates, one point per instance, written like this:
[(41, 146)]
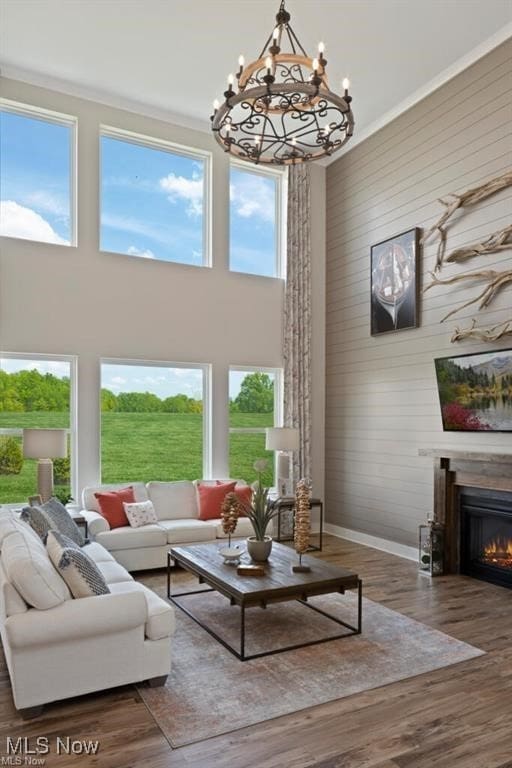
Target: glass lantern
[(431, 548)]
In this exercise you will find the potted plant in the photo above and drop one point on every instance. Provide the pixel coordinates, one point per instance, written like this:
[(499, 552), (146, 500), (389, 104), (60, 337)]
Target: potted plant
[(260, 512)]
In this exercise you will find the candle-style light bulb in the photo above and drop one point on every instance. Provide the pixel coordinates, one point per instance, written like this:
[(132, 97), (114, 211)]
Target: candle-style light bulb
[(216, 104), (326, 129), (321, 48), (231, 79), (315, 65), (241, 60), (257, 140), (275, 34), (228, 127), (294, 141), (346, 84), (268, 64)]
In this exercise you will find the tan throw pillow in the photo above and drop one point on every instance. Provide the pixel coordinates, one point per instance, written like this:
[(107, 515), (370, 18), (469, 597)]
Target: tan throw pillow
[(81, 574), (56, 543), (140, 513)]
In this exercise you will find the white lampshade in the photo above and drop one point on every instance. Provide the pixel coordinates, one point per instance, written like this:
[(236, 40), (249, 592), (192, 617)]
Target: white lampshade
[(282, 439), (45, 443)]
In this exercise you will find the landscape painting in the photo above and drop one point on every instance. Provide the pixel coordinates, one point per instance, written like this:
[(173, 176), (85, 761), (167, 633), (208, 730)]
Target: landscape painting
[(475, 391)]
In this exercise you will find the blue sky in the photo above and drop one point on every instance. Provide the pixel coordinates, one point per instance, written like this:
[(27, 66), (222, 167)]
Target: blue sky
[(151, 199), (151, 202), (252, 228), (161, 380), (34, 179)]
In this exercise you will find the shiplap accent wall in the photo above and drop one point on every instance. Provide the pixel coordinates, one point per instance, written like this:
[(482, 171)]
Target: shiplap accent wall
[(381, 394)]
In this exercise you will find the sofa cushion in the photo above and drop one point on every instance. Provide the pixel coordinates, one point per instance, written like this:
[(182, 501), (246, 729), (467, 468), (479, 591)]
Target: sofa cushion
[(113, 573), (28, 567), (11, 522), (211, 498), (160, 620), (173, 501), (140, 513), (13, 601), (242, 530), (89, 501), (98, 553), (184, 531), (112, 506), (133, 538), (81, 574)]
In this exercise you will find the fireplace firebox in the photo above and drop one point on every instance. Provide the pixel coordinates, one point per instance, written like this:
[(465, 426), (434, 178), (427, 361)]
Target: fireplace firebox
[(486, 535)]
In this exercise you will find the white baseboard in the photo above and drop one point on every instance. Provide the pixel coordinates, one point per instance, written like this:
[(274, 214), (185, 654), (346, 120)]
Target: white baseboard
[(393, 547)]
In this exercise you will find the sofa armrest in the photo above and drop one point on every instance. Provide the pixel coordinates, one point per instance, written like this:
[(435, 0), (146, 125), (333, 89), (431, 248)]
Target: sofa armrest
[(77, 619), (96, 523)]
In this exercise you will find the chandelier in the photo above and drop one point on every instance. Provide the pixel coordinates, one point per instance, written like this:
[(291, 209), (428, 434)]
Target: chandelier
[(283, 111)]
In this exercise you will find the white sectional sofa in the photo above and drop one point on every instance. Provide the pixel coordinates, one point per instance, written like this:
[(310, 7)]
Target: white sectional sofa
[(65, 646), (177, 508)]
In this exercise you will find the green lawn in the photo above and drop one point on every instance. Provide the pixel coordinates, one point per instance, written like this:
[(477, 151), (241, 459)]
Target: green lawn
[(146, 446)]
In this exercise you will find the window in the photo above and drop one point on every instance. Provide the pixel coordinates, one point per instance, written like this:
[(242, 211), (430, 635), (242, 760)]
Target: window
[(34, 392), (153, 421), (254, 404), (37, 150), (256, 230), (154, 199)]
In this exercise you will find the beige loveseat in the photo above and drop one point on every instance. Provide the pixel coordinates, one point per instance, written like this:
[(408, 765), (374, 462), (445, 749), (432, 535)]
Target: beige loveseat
[(177, 508), (57, 646)]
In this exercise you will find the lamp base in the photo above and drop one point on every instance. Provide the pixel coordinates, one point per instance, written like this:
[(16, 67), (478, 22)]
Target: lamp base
[(45, 479), (283, 473)]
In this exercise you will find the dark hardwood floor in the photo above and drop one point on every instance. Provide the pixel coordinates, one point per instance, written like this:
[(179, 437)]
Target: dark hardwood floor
[(456, 717)]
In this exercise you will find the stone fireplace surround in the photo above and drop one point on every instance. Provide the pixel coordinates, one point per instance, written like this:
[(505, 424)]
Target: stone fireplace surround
[(454, 470)]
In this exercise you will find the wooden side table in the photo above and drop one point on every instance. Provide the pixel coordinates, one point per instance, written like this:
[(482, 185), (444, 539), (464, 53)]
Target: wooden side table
[(287, 504)]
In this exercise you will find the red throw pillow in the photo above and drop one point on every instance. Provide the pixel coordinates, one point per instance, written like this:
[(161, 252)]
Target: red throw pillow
[(111, 505), (244, 493), (211, 498)]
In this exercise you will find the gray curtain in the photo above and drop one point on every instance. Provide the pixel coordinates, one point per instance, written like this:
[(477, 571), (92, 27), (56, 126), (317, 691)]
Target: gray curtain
[(297, 319)]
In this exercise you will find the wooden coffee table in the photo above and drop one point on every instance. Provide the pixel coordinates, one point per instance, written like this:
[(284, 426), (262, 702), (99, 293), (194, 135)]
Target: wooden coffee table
[(279, 584)]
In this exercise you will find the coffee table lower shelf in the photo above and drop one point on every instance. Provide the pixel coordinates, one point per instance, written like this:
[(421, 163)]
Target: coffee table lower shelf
[(241, 654)]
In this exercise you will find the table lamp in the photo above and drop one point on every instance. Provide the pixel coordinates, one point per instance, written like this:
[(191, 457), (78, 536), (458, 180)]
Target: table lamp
[(45, 445), (283, 440)]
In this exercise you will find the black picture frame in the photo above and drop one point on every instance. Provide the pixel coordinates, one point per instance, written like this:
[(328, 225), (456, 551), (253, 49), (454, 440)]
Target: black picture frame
[(470, 419), (394, 283)]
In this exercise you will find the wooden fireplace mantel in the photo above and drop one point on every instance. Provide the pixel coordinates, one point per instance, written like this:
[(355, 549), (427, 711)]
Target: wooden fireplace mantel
[(448, 453), (454, 469)]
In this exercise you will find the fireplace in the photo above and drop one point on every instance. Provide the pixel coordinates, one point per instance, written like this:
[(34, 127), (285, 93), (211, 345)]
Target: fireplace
[(473, 503), (486, 535)]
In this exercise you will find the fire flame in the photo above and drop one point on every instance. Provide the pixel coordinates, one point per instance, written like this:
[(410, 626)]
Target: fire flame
[(501, 546), (498, 551)]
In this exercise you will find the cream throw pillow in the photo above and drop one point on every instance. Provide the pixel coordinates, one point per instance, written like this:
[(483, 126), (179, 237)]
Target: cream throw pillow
[(140, 513), (29, 569)]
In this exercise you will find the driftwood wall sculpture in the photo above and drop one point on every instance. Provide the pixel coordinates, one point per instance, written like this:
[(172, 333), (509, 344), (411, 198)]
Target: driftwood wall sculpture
[(494, 243)]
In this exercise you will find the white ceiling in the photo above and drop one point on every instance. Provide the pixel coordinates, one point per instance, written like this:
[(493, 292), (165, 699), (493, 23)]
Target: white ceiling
[(174, 56)]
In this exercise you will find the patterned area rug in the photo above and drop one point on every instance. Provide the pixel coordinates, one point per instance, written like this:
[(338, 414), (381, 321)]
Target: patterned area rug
[(209, 692)]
